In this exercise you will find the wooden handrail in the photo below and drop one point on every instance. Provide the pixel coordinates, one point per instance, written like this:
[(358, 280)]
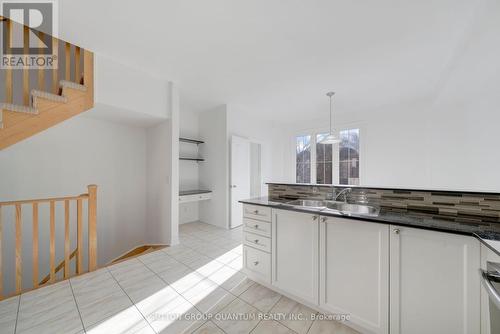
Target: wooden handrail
[(60, 266), (45, 200), (54, 222)]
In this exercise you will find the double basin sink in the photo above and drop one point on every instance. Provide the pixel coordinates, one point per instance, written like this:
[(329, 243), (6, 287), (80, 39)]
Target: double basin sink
[(336, 207)]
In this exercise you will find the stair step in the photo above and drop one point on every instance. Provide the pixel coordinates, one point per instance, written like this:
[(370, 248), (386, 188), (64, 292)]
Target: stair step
[(15, 108), (47, 96), (73, 85), (18, 108)]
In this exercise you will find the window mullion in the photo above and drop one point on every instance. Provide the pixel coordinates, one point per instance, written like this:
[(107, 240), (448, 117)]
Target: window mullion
[(313, 158)]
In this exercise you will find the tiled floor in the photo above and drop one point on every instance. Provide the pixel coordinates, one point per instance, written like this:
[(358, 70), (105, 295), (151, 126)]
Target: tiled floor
[(195, 287)]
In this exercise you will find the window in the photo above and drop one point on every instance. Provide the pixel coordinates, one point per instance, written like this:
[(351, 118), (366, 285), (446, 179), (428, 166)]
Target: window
[(349, 157), (327, 163), (324, 160), (303, 160)]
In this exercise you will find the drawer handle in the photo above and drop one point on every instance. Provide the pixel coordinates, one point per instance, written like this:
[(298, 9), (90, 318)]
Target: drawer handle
[(256, 263), (256, 241), (256, 212), (256, 226), (396, 231)]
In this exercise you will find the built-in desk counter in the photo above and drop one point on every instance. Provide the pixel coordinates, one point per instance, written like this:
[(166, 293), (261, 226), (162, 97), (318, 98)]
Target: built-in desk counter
[(186, 196)]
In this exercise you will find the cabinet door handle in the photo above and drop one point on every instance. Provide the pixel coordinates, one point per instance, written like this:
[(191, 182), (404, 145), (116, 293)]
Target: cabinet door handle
[(256, 241), (324, 219), (256, 212), (396, 231), (315, 217), (486, 279), (256, 263)]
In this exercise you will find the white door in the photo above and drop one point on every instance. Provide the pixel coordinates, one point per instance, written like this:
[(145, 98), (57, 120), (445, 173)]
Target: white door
[(354, 271), (240, 178), (295, 254), (434, 282)]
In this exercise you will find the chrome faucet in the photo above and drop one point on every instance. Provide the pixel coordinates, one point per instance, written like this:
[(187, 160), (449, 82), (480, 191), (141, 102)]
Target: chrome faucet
[(340, 193)]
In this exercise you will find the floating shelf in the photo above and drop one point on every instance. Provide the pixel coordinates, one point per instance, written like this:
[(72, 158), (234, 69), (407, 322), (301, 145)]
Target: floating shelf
[(191, 159), (191, 141)]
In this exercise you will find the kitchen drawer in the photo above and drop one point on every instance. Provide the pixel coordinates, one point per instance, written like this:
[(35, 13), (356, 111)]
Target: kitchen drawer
[(194, 197), (257, 263), (257, 241), (257, 226), (257, 212)]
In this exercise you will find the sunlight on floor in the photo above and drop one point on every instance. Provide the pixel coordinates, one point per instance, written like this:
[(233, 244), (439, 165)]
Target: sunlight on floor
[(167, 306)]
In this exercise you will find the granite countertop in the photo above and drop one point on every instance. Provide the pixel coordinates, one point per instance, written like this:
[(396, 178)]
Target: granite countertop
[(486, 230), (193, 192)]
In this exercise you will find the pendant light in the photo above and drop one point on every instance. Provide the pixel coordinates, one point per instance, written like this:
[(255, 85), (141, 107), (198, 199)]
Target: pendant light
[(330, 139)]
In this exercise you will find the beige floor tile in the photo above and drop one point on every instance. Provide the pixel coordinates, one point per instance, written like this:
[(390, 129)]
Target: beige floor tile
[(270, 326), (175, 250), (208, 328), (228, 278), (48, 322), (237, 263), (94, 286), (203, 262), (238, 317), (8, 315), (129, 321), (103, 307), (329, 327), (261, 297), (155, 256), (187, 281), (169, 312), (293, 315), (140, 290), (242, 286), (160, 264), (227, 256), (51, 304), (209, 268), (207, 297)]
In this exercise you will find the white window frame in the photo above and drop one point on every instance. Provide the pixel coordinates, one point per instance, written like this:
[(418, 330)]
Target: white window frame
[(335, 154)]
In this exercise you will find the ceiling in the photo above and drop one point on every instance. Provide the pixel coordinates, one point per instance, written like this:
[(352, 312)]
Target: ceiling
[(278, 58)]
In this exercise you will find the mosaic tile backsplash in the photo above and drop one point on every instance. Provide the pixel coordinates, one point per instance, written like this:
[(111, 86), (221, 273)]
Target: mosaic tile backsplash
[(484, 205)]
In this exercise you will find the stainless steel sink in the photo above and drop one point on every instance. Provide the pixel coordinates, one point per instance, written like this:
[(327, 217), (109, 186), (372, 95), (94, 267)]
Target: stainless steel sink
[(313, 204), (340, 207), (357, 209)]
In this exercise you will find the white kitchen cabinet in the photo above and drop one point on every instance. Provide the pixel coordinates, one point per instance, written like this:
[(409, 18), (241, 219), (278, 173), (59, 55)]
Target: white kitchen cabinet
[(354, 271), (295, 254), (257, 264), (434, 282)]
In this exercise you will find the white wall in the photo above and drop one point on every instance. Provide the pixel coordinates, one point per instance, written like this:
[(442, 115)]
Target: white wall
[(214, 172), (127, 88), (62, 161), (158, 183), (163, 176)]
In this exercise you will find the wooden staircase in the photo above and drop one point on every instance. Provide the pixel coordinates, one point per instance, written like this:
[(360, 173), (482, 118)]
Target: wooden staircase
[(28, 214), (50, 101)]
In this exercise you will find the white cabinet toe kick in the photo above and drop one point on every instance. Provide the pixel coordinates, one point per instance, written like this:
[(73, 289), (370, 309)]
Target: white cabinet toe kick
[(382, 278)]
